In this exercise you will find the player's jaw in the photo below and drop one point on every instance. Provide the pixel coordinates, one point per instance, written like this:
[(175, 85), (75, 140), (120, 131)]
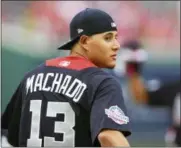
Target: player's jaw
[(110, 62), (106, 59)]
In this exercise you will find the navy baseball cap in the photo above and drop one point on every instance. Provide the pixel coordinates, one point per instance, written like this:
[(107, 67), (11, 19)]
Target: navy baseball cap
[(88, 22)]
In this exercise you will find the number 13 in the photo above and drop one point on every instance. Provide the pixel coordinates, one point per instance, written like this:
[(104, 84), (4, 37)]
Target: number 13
[(66, 127)]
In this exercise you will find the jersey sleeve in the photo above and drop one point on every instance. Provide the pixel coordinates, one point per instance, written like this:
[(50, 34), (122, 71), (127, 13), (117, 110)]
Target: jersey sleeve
[(108, 109), (11, 117)]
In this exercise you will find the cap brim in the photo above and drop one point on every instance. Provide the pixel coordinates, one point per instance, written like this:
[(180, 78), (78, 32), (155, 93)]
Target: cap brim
[(68, 45)]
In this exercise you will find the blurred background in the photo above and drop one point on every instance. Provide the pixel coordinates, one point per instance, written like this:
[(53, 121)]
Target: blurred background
[(32, 31)]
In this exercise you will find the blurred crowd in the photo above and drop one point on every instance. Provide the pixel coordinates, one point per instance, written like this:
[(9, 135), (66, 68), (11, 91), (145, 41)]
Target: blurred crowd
[(154, 23)]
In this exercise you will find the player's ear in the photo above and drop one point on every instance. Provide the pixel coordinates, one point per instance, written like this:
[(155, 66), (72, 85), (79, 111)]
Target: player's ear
[(83, 42)]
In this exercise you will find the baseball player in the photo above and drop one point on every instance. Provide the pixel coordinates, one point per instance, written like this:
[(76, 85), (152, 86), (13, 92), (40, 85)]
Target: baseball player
[(70, 101)]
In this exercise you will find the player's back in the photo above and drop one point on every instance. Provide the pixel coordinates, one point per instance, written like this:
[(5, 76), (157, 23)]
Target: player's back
[(56, 103)]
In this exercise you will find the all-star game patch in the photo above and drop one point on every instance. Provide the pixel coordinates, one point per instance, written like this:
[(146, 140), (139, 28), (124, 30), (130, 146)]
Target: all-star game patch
[(117, 115)]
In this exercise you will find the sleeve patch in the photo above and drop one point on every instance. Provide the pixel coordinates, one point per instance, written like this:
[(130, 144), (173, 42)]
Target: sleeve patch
[(117, 115)]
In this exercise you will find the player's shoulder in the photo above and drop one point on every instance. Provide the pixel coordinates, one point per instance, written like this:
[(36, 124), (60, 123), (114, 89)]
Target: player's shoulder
[(34, 70), (97, 75)]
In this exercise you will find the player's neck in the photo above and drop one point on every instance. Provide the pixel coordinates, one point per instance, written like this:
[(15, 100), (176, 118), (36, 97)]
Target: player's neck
[(78, 53)]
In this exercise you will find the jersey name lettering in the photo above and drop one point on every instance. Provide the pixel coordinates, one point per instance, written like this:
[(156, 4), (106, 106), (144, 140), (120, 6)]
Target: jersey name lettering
[(57, 83)]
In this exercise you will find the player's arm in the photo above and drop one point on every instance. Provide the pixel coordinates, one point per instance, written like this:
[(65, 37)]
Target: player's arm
[(112, 138), (137, 88), (109, 121)]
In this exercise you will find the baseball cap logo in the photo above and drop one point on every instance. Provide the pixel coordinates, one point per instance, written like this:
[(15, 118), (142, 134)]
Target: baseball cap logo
[(80, 30), (113, 24)]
